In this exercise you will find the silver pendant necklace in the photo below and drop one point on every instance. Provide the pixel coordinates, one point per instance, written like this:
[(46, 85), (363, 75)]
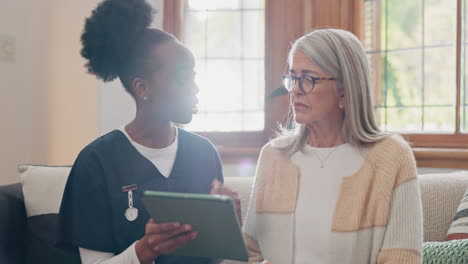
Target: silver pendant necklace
[(322, 161)]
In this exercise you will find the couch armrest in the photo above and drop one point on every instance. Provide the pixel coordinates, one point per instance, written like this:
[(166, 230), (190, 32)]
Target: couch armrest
[(13, 226)]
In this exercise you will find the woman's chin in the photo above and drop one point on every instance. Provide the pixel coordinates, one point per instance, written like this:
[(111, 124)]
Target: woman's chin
[(184, 118), (306, 119), (300, 119)]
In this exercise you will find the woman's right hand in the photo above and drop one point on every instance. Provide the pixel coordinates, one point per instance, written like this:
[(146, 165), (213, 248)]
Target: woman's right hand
[(266, 262), (162, 239)]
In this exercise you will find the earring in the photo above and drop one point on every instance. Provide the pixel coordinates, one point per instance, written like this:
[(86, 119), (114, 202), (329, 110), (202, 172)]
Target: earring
[(145, 98)]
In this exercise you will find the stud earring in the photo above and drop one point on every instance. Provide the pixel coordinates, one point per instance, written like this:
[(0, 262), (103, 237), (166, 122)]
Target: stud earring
[(145, 98)]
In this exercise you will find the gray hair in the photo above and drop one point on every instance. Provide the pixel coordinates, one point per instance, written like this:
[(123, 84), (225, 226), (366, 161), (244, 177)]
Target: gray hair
[(341, 54)]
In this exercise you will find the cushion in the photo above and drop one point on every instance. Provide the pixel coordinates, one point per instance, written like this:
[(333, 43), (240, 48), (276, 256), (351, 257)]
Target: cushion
[(43, 188), (450, 252), (243, 187), (459, 227), (12, 224), (441, 195)]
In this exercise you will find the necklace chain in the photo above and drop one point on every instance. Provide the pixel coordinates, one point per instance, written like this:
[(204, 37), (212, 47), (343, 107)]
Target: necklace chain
[(322, 161)]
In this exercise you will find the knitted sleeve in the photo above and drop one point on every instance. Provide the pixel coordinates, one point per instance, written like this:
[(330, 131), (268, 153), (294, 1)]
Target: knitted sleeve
[(402, 242)]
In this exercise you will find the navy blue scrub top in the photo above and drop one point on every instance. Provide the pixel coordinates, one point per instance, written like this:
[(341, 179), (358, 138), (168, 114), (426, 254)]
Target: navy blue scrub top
[(93, 205)]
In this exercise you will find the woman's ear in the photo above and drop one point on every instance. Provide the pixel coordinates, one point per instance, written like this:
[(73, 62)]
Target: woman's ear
[(140, 89)]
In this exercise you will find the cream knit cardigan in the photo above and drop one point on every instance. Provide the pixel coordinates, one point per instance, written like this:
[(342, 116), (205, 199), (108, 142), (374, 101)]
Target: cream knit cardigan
[(377, 218)]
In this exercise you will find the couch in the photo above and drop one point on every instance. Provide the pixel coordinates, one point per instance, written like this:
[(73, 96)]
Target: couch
[(440, 193)]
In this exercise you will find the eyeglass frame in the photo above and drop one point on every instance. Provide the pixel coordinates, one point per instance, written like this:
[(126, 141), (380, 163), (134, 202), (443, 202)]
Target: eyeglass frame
[(300, 78)]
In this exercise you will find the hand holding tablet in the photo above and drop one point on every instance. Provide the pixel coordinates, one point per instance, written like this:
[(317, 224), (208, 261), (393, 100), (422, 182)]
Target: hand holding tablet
[(212, 217), (162, 239)]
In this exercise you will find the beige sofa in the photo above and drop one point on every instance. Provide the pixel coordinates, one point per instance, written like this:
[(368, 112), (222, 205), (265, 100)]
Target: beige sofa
[(440, 193)]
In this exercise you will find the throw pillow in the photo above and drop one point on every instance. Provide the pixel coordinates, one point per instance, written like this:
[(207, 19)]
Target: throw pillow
[(459, 227), (43, 188), (448, 252)]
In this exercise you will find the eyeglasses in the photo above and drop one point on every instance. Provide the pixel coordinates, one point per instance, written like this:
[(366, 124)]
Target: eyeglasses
[(306, 82)]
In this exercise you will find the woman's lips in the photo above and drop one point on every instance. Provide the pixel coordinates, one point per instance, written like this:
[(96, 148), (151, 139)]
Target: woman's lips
[(300, 106)]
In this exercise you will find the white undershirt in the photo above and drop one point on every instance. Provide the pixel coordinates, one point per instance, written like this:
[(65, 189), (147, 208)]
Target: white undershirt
[(317, 197), (163, 159)]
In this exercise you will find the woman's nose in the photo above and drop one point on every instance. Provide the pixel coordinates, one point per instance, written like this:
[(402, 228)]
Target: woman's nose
[(296, 90)]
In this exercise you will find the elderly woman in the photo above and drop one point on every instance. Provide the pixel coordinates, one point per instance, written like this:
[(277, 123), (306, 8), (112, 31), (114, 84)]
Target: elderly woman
[(336, 189)]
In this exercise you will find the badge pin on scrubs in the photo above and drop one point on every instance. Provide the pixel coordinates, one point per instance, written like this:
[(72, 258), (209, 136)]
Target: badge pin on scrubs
[(131, 213)]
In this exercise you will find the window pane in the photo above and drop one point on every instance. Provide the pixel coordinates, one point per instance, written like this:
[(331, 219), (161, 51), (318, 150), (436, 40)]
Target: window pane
[(227, 39), (224, 34), (213, 4), (401, 24), (220, 86), (376, 65), (439, 119), (404, 119), (195, 33), (253, 96), (439, 77), (226, 122), (254, 120), (253, 37), (253, 4), (411, 50), (223, 122), (440, 22), (403, 79)]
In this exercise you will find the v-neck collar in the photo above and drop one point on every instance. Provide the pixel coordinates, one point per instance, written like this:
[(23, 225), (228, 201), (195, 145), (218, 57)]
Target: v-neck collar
[(150, 170)]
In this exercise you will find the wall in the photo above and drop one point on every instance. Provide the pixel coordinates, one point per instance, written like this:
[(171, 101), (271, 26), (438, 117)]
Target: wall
[(22, 80), (51, 108), (73, 94), (48, 103)]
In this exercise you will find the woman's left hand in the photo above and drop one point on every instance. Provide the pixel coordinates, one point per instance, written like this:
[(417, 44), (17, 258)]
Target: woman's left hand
[(219, 188)]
